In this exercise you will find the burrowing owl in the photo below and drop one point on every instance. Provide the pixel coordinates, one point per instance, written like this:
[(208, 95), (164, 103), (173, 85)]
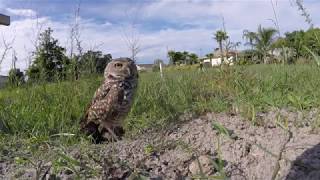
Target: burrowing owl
[(112, 101)]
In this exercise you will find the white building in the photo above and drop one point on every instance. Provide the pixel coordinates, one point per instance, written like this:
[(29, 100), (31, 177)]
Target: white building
[(144, 67), (217, 61)]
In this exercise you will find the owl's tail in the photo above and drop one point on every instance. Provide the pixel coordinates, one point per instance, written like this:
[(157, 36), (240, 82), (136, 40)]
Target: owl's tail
[(84, 119), (90, 128)]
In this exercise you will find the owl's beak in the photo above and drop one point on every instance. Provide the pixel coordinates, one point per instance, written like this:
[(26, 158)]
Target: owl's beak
[(110, 76), (113, 76)]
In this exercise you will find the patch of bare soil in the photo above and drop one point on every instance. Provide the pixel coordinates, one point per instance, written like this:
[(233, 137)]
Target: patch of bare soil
[(284, 146)]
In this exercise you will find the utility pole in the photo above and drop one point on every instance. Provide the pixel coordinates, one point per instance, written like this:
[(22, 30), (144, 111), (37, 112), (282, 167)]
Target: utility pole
[(4, 20)]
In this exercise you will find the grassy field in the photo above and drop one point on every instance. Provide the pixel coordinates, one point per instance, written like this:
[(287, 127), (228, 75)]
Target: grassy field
[(41, 122), (50, 109)]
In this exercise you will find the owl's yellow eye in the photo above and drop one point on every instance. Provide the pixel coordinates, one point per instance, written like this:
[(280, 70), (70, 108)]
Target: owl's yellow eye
[(118, 65)]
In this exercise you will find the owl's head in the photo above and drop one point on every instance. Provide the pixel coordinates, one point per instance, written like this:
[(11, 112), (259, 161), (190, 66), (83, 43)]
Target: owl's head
[(121, 69)]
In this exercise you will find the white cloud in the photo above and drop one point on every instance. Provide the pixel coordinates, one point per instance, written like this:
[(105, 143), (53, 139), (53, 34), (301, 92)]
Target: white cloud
[(205, 17), (24, 34), (153, 44), (21, 12), (237, 14), (107, 23), (25, 31)]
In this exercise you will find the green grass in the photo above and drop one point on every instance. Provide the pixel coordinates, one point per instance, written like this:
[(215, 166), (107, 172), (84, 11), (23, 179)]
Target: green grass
[(43, 120), (256, 87), (45, 110)]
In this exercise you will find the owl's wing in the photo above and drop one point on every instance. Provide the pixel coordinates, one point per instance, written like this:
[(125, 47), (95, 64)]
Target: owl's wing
[(101, 92), (108, 106), (105, 104)]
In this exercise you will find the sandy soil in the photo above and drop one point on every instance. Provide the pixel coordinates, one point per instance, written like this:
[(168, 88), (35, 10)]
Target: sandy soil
[(282, 147)]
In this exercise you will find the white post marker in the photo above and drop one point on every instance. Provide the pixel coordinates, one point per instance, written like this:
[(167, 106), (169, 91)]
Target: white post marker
[(161, 69), (4, 20)]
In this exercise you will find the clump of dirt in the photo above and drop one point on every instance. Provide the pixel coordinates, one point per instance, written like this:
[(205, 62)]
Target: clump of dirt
[(281, 148)]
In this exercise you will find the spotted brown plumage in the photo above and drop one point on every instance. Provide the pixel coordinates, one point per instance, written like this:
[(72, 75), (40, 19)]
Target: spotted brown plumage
[(112, 101)]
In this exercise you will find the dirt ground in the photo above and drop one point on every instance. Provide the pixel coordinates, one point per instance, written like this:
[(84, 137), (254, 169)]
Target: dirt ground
[(280, 147)]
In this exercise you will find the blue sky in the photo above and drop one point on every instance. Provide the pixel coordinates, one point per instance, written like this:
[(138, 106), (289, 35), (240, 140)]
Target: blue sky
[(160, 25)]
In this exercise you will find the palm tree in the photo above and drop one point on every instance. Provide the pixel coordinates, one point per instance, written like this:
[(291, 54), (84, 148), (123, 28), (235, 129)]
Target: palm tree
[(210, 56), (221, 36), (235, 46), (172, 57), (263, 41), (249, 37), (193, 58), (185, 56)]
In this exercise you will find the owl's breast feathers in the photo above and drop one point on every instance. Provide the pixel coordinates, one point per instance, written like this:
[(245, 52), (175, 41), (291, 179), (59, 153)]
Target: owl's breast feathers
[(111, 103)]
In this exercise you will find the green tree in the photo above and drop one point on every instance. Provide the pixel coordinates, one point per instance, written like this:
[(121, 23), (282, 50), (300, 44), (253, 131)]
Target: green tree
[(312, 41), (102, 62), (249, 36), (88, 60), (16, 77), (300, 41), (182, 57), (171, 55), (50, 61), (221, 36), (185, 57), (296, 41), (192, 58), (176, 57), (94, 62), (263, 41)]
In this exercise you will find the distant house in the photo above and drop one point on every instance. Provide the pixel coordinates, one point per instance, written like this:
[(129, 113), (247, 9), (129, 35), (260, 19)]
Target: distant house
[(3, 80), (216, 59), (144, 67)]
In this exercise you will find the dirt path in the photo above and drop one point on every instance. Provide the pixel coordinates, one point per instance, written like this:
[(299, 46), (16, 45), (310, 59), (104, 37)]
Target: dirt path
[(276, 150)]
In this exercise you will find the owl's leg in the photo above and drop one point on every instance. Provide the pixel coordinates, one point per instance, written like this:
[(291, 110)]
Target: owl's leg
[(110, 135), (92, 129), (119, 131), (109, 132), (113, 134)]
